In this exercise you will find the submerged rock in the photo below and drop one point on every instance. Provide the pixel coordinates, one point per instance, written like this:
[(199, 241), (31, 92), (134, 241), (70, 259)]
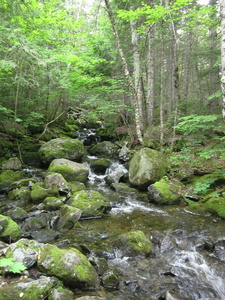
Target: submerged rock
[(133, 243), (61, 148), (146, 167)]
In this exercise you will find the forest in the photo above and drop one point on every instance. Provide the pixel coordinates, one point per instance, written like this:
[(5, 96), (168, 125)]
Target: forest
[(143, 69), (112, 149)]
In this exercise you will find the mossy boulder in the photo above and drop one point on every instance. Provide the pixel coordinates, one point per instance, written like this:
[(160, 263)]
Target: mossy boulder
[(22, 195), (53, 203), (39, 192), (9, 230), (165, 191), (61, 148), (7, 177), (100, 165), (69, 216), (69, 265), (70, 170), (92, 203), (12, 164), (110, 279), (57, 182), (146, 167), (28, 289), (105, 149), (133, 243)]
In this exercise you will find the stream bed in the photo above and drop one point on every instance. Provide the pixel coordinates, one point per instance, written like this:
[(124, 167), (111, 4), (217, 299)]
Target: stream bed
[(189, 249)]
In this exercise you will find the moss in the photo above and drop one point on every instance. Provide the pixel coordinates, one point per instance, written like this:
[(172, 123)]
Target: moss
[(53, 203), (39, 193), (92, 203), (69, 265), (22, 193), (9, 176), (216, 206), (11, 229)]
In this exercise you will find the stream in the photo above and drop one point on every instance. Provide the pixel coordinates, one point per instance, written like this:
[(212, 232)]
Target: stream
[(186, 263)]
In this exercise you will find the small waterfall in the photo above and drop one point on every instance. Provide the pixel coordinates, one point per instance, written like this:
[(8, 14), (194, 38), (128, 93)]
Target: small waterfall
[(196, 276)]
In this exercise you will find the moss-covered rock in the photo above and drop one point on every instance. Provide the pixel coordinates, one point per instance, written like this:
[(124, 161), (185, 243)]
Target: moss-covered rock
[(146, 167), (57, 182), (165, 191), (100, 165), (22, 195), (71, 171), (133, 243), (69, 216), (28, 289), (216, 206), (7, 177), (110, 279), (61, 294), (69, 265), (39, 193), (105, 149), (12, 164), (61, 148), (92, 203), (9, 230), (53, 203)]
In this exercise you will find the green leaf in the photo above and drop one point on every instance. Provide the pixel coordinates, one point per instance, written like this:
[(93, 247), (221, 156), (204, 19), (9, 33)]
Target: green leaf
[(5, 262), (17, 267)]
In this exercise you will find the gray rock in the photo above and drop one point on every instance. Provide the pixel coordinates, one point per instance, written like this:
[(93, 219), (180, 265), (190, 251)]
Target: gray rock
[(12, 164)]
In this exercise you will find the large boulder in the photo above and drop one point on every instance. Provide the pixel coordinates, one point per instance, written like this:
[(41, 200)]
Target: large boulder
[(70, 170), (9, 230), (92, 203), (165, 191), (133, 243), (146, 167), (61, 148), (69, 265)]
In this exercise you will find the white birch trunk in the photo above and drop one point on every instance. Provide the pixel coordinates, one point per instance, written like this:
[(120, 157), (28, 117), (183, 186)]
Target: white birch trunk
[(126, 72)]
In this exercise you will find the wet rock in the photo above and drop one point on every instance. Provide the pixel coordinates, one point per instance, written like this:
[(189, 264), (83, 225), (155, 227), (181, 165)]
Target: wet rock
[(37, 221), (99, 166), (146, 167), (69, 265), (92, 203), (21, 195), (57, 182), (9, 230), (53, 203), (61, 148), (133, 243), (7, 178), (12, 164), (105, 148), (115, 176), (124, 154), (123, 188), (69, 216), (165, 191), (61, 294), (39, 192), (17, 214), (29, 289), (110, 280), (99, 263), (167, 244), (70, 170), (91, 298), (45, 235)]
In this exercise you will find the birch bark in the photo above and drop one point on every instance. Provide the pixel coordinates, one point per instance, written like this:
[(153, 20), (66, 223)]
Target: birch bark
[(222, 15)]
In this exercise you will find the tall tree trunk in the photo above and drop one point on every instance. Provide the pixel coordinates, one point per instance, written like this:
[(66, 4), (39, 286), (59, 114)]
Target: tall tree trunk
[(138, 120), (137, 71), (150, 76), (222, 15)]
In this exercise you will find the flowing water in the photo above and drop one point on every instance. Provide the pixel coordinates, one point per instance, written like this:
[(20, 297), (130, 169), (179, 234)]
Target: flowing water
[(184, 263)]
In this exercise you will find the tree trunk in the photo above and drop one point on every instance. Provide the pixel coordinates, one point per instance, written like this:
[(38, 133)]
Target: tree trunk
[(222, 15), (150, 76), (126, 73)]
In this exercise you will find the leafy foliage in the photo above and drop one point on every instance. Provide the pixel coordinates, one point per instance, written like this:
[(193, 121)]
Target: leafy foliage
[(10, 265)]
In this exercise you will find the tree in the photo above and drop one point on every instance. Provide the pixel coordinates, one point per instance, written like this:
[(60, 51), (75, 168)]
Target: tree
[(222, 15)]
